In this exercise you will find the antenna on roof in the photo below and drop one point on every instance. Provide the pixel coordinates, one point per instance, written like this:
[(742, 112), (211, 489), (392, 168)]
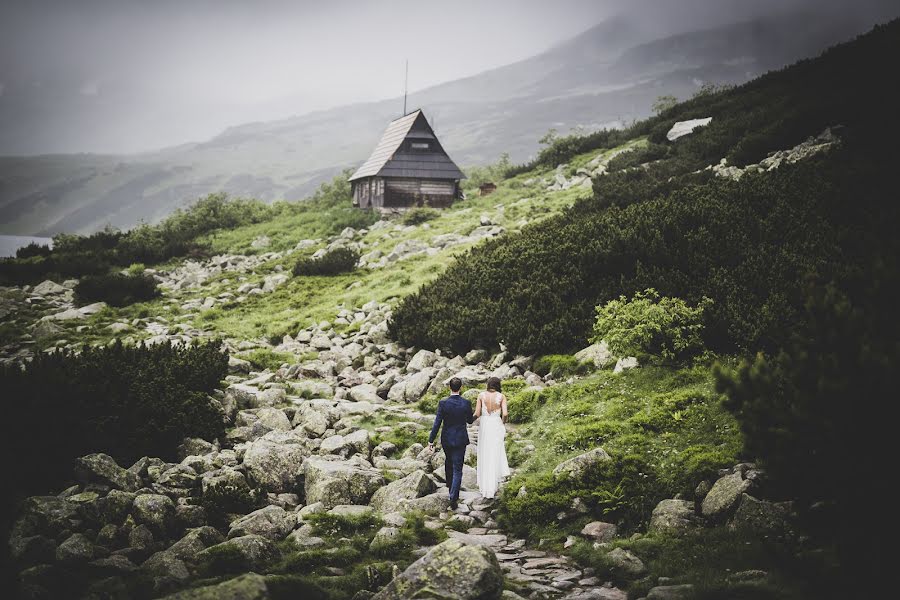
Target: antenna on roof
[(405, 82)]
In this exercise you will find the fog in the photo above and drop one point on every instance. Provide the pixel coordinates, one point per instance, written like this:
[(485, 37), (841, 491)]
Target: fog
[(123, 76)]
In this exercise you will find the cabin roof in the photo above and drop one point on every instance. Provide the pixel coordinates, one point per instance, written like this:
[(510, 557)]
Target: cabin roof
[(386, 161)]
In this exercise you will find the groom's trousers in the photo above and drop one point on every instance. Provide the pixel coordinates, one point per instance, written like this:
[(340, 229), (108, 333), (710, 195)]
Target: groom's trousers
[(453, 468)]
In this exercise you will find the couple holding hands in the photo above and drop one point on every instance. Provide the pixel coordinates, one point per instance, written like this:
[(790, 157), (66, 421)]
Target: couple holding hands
[(455, 413)]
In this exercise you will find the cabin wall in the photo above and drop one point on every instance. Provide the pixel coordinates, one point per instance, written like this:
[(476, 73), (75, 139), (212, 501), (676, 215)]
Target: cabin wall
[(368, 192), (408, 192)]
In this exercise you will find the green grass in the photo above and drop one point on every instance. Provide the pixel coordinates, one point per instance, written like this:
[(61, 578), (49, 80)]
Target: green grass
[(263, 358), (664, 428), (707, 558)]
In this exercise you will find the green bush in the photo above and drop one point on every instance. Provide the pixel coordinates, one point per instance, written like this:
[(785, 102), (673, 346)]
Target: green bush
[(126, 401), (650, 325), (561, 366), (418, 215), (221, 501), (265, 358), (33, 249), (339, 260), (116, 289)]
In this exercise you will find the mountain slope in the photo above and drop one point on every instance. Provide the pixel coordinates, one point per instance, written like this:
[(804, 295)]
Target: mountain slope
[(607, 75)]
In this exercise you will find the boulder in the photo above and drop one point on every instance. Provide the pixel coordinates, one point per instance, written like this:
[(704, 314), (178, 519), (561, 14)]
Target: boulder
[(155, 511), (384, 537), (275, 465), (246, 587), (164, 571), (47, 288), (683, 128), (449, 570), (673, 516), (102, 468), (626, 564), (623, 364), (365, 392), (725, 495), (422, 360), (765, 519), (304, 538), (684, 591), (577, 466), (76, 548), (253, 551), (412, 486), (271, 522), (332, 482), (599, 531), (195, 541), (598, 353)]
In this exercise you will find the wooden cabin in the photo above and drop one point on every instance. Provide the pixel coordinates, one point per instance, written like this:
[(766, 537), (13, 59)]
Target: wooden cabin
[(408, 168)]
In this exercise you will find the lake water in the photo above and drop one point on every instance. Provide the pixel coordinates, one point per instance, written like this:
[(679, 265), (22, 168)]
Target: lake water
[(10, 243)]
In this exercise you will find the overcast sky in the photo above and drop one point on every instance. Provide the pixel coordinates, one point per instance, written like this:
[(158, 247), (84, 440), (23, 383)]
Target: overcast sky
[(130, 75)]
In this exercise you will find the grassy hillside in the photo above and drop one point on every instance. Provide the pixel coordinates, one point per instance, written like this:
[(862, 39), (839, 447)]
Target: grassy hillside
[(797, 253)]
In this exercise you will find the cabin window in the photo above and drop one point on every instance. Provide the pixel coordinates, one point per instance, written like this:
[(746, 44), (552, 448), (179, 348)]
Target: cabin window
[(419, 146)]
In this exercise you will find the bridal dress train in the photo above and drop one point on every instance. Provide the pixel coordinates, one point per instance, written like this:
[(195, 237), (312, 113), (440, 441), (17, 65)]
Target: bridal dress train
[(492, 464)]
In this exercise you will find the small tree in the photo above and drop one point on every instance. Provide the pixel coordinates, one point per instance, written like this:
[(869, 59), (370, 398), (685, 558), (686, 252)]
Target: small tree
[(651, 325), (664, 103)]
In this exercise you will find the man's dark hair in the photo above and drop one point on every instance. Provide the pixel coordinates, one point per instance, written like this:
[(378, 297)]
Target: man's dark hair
[(455, 384)]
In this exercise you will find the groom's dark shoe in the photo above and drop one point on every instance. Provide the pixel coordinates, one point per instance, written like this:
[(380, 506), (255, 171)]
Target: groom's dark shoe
[(454, 504)]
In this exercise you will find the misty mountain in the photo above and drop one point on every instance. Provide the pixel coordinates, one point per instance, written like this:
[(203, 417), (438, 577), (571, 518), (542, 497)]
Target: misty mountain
[(606, 76)]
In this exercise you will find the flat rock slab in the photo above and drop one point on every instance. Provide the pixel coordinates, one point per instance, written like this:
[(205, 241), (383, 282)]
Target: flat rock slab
[(491, 541)]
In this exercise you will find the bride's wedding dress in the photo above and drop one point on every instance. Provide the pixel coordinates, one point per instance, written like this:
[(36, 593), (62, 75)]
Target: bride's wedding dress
[(492, 464)]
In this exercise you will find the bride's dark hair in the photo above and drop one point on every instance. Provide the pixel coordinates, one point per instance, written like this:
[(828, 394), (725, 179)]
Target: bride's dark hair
[(493, 384)]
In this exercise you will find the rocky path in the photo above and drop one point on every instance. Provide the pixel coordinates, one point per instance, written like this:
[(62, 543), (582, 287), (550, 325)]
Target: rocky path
[(538, 573)]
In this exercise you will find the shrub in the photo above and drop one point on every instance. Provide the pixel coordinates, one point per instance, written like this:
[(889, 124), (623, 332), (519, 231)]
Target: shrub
[(339, 260), (33, 249), (265, 358), (221, 501), (122, 400), (116, 289), (419, 215), (561, 365), (648, 324)]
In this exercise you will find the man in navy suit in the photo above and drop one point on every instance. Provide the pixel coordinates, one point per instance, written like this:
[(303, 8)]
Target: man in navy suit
[(455, 412)]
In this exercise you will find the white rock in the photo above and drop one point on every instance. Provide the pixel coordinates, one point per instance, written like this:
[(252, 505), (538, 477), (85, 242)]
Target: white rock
[(682, 128)]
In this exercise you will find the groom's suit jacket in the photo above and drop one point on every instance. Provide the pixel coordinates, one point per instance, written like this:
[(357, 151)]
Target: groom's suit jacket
[(455, 412)]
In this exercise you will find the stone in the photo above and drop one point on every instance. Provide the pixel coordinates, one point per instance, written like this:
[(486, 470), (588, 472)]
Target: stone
[(246, 587), (491, 540), (194, 447), (577, 466), (422, 360), (365, 392), (476, 356), (255, 551), (31, 550), (414, 485), (195, 541), (76, 548), (623, 364), (432, 504), (47, 288), (449, 570), (164, 571), (351, 510), (626, 563), (155, 511), (766, 519), (273, 465), (673, 516), (599, 531), (271, 522), (102, 468), (724, 496), (599, 354), (683, 128), (332, 483), (238, 365), (384, 537), (671, 592)]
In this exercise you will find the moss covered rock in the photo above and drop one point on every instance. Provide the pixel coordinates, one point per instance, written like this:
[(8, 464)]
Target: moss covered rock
[(449, 570), (246, 587)]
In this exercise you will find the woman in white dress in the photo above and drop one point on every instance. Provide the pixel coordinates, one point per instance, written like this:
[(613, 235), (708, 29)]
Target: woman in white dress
[(492, 463)]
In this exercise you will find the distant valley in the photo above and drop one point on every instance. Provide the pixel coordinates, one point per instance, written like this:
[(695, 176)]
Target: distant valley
[(606, 76)]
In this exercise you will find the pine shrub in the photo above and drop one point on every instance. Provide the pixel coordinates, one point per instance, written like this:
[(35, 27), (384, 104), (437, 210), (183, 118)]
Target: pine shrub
[(116, 289), (333, 262)]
